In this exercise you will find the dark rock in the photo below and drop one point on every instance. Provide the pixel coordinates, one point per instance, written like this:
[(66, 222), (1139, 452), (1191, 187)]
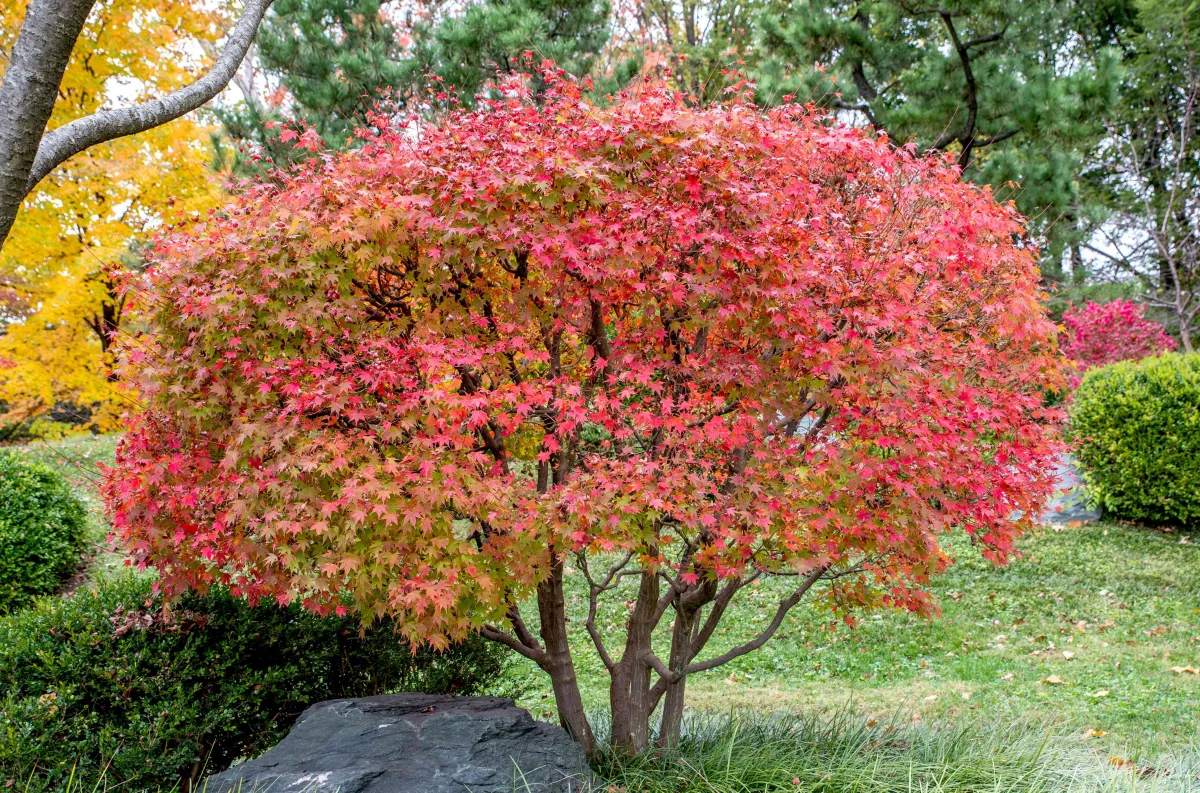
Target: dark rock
[(414, 743)]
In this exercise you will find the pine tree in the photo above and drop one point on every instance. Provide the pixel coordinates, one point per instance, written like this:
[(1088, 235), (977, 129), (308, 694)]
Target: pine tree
[(1003, 85), (701, 46), (335, 59), (501, 36)]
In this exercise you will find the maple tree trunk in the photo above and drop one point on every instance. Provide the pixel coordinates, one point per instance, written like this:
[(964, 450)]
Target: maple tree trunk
[(557, 661), (672, 713), (629, 690)]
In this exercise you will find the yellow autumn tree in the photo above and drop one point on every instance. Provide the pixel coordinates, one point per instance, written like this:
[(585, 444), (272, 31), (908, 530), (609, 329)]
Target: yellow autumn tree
[(57, 302)]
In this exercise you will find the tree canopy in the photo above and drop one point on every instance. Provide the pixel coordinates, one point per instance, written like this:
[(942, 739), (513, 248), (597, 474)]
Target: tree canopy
[(692, 346), (335, 60)]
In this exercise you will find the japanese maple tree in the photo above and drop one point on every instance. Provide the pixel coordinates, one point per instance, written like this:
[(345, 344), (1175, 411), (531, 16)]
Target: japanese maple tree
[(1103, 333), (673, 348)]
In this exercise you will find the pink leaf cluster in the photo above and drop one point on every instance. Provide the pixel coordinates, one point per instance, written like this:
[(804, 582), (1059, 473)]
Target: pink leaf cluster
[(415, 377), (1103, 333)]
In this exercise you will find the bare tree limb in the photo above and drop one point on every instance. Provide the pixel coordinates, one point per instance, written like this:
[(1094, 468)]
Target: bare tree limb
[(513, 643), (594, 590), (654, 662), (967, 135), (524, 635), (72, 138), (785, 606), (979, 143), (985, 39)]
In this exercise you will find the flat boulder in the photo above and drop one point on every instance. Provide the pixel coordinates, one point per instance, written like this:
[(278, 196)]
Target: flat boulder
[(414, 743)]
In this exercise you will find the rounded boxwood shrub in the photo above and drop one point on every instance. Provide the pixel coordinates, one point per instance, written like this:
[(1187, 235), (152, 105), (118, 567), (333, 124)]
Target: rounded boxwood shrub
[(42, 526), (111, 683), (1137, 428)]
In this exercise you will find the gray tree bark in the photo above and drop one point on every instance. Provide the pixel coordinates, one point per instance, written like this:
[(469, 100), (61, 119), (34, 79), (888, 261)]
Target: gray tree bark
[(30, 88), (35, 70)]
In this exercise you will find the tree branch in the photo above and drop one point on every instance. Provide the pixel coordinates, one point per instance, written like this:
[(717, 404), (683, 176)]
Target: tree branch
[(720, 603), (966, 136), (524, 635), (654, 662), (594, 590), (979, 143), (70, 139), (985, 39), (513, 643), (785, 606)]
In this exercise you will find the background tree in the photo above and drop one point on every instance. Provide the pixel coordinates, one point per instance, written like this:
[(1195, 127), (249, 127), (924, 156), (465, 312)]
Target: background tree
[(680, 348), (86, 214), (698, 42), (1003, 85), (334, 58), (1150, 166), (331, 61), (465, 51), (36, 62)]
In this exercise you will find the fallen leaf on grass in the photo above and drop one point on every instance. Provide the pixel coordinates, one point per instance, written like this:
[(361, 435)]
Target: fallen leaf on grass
[(1102, 693), (1097, 733), (1053, 680), (1008, 676), (1143, 772), (1068, 654), (1185, 670)]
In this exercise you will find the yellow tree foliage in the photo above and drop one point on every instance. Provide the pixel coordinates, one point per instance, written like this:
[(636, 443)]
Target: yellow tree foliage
[(56, 301)]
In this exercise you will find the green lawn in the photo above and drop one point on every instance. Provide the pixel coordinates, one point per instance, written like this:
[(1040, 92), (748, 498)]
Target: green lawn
[(1108, 610), (1123, 602)]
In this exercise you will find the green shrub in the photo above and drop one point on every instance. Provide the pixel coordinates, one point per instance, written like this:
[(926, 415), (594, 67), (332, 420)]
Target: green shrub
[(1137, 425), (42, 527), (109, 679)]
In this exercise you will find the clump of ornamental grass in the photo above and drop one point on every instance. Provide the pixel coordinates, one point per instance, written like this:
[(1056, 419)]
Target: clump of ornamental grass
[(842, 752)]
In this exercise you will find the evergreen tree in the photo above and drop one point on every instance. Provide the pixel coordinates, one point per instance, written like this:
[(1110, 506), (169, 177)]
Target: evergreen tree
[(1003, 85), (464, 51), (336, 59), (707, 44)]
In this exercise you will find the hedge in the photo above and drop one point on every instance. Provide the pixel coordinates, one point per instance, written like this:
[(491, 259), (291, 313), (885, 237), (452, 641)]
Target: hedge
[(42, 526), (1137, 429), (110, 678)]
